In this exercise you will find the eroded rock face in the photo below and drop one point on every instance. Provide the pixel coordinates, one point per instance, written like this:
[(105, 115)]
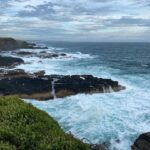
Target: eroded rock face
[(10, 61), (52, 86), (142, 143)]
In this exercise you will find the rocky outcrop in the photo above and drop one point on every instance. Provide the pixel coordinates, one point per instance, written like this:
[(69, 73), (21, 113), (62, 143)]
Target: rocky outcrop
[(51, 55), (52, 86), (143, 142), (42, 54), (25, 53), (10, 61), (97, 147), (12, 44)]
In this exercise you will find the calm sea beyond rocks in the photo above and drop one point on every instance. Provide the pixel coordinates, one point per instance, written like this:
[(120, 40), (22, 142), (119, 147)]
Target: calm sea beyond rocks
[(25, 127)]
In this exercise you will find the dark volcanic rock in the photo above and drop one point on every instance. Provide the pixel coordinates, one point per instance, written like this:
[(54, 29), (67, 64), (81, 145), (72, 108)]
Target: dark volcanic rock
[(23, 53), (97, 147), (39, 73), (49, 87), (63, 54), (12, 44), (70, 85), (26, 87), (51, 55), (10, 61), (42, 54), (142, 143)]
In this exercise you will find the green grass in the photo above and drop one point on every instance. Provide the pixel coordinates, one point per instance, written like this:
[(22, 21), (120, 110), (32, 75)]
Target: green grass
[(24, 127)]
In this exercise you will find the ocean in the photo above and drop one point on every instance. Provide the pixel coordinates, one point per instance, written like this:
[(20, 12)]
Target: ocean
[(112, 119)]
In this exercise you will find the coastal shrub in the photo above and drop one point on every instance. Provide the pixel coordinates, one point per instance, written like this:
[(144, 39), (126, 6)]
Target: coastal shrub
[(24, 127)]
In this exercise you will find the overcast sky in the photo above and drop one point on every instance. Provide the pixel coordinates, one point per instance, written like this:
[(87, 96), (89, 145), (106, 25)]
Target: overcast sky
[(76, 20)]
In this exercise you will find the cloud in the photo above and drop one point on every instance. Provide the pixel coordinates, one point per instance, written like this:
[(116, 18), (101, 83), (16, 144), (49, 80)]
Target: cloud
[(127, 22), (75, 19)]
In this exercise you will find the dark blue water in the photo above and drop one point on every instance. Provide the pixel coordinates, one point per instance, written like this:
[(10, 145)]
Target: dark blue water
[(128, 57), (116, 118)]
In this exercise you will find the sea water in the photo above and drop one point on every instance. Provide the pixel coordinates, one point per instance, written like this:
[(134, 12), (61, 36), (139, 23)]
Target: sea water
[(112, 119)]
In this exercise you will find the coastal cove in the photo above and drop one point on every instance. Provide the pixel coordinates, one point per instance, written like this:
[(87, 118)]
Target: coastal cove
[(96, 91)]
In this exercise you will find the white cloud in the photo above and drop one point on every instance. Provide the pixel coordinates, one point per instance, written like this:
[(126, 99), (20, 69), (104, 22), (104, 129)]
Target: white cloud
[(71, 19)]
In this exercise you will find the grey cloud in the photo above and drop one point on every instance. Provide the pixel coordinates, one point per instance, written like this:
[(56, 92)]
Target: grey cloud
[(113, 23), (4, 5), (74, 18), (127, 21), (66, 12), (45, 11)]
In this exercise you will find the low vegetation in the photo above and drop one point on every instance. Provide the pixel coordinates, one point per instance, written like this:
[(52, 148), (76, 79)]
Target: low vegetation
[(24, 127)]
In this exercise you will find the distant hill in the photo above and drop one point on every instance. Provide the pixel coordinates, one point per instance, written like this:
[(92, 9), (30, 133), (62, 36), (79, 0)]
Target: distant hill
[(13, 44)]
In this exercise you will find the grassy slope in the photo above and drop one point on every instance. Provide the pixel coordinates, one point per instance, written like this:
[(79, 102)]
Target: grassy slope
[(24, 127)]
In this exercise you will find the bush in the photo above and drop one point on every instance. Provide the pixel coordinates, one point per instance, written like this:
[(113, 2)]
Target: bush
[(24, 127)]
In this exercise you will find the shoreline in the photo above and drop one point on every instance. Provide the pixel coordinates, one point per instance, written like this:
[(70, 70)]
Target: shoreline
[(32, 77)]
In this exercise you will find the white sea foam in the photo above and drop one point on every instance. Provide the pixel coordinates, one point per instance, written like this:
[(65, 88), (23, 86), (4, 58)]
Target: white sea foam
[(53, 87), (51, 65), (79, 55), (116, 118)]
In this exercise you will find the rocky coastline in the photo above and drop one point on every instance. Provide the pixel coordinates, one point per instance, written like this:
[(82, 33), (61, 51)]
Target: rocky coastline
[(42, 87), (7, 44), (10, 62), (39, 86), (142, 142)]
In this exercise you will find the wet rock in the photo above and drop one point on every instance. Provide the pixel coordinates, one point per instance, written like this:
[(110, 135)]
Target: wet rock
[(23, 53), (142, 143), (63, 54), (50, 55), (43, 54), (39, 73), (10, 61), (26, 87), (52, 86), (97, 147)]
